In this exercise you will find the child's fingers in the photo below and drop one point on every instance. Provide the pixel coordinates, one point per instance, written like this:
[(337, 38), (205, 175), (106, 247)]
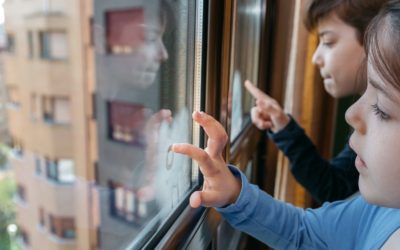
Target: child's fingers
[(270, 107), (217, 136), (257, 93), (205, 199), (195, 199), (197, 154), (260, 119)]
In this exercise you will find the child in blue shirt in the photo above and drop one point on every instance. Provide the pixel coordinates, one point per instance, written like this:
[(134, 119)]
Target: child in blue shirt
[(369, 221)]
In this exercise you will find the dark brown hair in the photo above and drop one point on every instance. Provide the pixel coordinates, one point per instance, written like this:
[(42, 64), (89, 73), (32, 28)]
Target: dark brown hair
[(382, 39), (356, 13)]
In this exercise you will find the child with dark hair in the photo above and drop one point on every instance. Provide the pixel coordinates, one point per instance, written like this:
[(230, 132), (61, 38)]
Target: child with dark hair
[(369, 221), (340, 54)]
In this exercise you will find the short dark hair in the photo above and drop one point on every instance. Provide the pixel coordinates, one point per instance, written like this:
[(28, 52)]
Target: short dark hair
[(356, 13), (381, 43)]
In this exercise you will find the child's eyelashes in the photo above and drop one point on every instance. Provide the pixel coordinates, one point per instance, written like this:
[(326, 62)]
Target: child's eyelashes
[(378, 112)]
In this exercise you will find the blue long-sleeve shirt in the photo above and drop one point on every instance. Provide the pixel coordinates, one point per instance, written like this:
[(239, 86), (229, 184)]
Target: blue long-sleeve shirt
[(326, 180), (350, 224)]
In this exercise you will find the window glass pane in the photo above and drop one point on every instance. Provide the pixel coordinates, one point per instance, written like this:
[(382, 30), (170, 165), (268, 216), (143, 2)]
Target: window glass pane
[(144, 100), (66, 171), (246, 50), (62, 113), (58, 45)]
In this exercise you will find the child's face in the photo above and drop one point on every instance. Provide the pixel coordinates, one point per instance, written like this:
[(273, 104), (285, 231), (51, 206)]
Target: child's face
[(375, 118), (338, 56)]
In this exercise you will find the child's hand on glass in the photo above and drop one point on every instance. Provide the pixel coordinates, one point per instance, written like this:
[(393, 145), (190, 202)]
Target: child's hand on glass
[(220, 187), (267, 114)]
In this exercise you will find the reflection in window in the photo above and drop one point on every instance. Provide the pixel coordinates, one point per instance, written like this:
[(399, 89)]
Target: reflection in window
[(144, 96), (126, 122), (53, 45), (124, 30), (247, 35), (62, 227), (61, 171), (131, 205)]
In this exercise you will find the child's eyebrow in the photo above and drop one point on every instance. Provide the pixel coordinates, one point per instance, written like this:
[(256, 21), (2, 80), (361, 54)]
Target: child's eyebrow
[(380, 88)]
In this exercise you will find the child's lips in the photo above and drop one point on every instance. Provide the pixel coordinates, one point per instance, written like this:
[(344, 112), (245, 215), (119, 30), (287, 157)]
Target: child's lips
[(359, 163)]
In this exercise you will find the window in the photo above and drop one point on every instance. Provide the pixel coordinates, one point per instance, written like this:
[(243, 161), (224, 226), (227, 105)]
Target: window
[(62, 227), (21, 192), (53, 45), (124, 30), (42, 217), (30, 44), (61, 171), (24, 236), (10, 47), (35, 106), (17, 148), (246, 48), (131, 205), (143, 101), (14, 99), (38, 165), (126, 122), (56, 110)]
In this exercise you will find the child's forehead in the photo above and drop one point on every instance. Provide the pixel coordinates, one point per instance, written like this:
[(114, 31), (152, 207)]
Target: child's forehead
[(332, 20)]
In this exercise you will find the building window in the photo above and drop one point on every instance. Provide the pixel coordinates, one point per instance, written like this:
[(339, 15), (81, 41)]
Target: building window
[(53, 45), (62, 227), (126, 122), (21, 192), (124, 30), (35, 107), (42, 217), (17, 149), (38, 165), (56, 110), (129, 204), (13, 97), (10, 48), (30, 45), (24, 236), (61, 171)]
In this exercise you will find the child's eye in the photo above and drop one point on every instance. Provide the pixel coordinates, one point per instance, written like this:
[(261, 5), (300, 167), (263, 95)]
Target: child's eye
[(327, 43), (378, 112)]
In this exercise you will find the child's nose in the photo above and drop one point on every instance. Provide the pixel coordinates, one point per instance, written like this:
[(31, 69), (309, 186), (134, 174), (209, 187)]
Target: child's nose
[(355, 117), (317, 59)]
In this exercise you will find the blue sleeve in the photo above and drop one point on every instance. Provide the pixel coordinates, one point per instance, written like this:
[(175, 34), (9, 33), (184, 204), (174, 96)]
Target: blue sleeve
[(326, 180), (283, 226)]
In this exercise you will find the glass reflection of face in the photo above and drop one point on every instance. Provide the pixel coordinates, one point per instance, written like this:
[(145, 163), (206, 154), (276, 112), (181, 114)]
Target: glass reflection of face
[(375, 118), (150, 54), (338, 56), (140, 65)]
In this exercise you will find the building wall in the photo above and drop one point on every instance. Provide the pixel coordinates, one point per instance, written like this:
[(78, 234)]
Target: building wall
[(41, 139)]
